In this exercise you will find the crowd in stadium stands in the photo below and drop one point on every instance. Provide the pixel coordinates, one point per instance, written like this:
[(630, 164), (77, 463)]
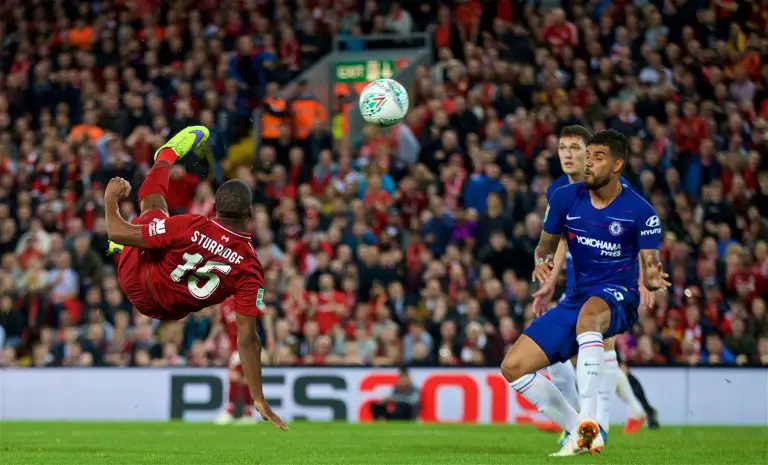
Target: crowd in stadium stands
[(414, 246)]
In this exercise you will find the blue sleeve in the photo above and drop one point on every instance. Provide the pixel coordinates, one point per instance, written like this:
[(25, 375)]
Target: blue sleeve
[(554, 218), (648, 228), (388, 184)]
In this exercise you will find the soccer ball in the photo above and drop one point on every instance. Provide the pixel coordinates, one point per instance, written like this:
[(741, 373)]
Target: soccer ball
[(383, 102)]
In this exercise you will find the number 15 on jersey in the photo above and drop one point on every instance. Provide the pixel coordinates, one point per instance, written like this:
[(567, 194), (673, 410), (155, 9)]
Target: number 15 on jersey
[(205, 272)]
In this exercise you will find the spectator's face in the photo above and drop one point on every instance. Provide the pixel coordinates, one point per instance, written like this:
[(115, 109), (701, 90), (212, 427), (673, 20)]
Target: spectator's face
[(449, 140), (737, 327), (761, 251), (758, 309), (714, 344), (311, 329), (9, 228), (63, 261), (498, 241), (532, 225)]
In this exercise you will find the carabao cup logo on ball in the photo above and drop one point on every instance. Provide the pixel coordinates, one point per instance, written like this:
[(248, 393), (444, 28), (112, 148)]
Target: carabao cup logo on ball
[(384, 102), (372, 103)]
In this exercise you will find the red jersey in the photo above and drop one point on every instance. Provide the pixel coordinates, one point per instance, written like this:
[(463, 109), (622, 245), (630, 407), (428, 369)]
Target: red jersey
[(202, 263), (228, 320)]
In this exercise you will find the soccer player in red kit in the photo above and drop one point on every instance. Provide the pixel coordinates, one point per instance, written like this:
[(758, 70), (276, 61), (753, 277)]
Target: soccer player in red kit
[(171, 266), (238, 387)]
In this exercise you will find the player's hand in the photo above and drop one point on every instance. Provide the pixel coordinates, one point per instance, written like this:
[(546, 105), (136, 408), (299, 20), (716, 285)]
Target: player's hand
[(118, 188), (266, 413), (647, 297), (543, 271), (543, 296), (656, 277)]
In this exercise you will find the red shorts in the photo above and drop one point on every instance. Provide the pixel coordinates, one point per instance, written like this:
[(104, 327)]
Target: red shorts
[(132, 270)]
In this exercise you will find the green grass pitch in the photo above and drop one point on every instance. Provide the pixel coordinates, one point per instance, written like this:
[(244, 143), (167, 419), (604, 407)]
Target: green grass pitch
[(83, 443)]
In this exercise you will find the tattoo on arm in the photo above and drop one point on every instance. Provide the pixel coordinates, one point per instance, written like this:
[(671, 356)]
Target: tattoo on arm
[(649, 259), (545, 251)]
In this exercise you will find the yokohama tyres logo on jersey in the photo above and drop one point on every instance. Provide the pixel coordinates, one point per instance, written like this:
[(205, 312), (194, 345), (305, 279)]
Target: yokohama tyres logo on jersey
[(607, 249)]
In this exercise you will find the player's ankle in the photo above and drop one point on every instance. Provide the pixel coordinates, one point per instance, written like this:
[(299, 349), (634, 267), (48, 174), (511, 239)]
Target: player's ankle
[(167, 155)]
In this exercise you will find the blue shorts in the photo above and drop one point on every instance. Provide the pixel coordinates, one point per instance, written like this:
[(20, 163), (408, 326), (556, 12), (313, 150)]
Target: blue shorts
[(555, 331)]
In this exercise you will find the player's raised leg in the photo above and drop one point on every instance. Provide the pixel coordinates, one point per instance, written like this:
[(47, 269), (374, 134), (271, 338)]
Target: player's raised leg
[(154, 189), (594, 319), (529, 355)]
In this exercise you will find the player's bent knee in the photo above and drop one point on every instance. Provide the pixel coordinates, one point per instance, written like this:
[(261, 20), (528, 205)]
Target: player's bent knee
[(512, 367), (595, 315), (526, 356)]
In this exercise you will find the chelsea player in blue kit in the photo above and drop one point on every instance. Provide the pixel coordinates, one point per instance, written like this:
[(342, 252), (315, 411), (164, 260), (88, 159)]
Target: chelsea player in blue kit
[(572, 147), (606, 227)]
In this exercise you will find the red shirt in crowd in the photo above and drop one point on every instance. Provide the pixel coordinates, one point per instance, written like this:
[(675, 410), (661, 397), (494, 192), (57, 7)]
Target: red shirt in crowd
[(468, 16), (747, 283), (689, 132), (561, 35), (411, 204), (181, 191), (295, 308), (326, 305)]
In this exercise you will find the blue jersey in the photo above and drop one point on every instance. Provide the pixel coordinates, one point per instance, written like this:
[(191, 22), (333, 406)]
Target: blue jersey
[(570, 276), (603, 243)]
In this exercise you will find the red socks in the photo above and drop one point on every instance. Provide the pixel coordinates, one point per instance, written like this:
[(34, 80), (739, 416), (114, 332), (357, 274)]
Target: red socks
[(168, 155), (240, 390), (234, 393), (156, 181)]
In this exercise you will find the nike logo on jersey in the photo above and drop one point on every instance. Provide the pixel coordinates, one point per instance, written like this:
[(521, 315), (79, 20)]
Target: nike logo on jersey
[(569, 217)]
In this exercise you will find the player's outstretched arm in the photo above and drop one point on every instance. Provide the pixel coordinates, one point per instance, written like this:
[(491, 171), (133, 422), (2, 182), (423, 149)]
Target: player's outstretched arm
[(545, 256), (543, 295), (119, 230), (249, 347), (653, 270)]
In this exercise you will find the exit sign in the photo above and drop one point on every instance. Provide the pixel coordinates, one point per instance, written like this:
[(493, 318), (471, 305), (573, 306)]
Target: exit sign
[(364, 71)]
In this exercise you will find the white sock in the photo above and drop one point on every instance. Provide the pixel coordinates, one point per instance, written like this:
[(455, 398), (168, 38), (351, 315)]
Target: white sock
[(564, 376), (625, 393), (607, 389), (542, 393), (589, 371)]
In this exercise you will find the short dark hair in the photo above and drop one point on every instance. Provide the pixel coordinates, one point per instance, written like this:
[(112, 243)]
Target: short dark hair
[(233, 199), (614, 140), (576, 130)]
